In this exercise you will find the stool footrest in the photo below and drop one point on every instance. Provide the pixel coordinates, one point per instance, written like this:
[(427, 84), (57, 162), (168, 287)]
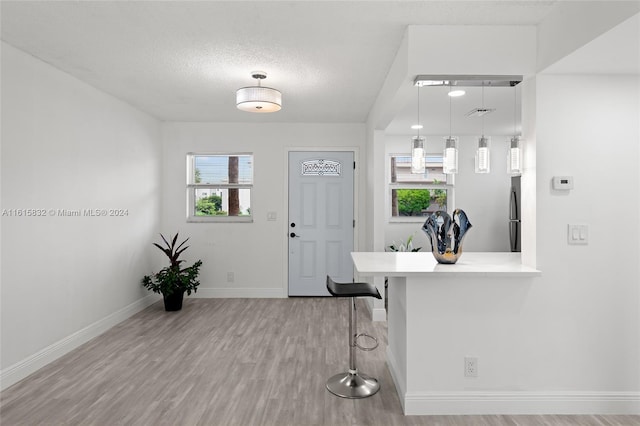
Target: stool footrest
[(366, 348)]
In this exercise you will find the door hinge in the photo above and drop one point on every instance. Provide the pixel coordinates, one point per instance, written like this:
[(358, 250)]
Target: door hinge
[(354, 165), (354, 223)]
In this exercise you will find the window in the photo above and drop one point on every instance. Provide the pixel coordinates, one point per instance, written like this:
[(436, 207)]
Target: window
[(219, 187), (414, 196)]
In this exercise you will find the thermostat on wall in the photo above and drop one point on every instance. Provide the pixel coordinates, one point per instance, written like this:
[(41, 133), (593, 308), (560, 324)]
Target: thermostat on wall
[(563, 182)]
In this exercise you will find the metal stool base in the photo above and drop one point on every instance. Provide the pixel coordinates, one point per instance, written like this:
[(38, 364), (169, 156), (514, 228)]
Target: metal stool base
[(352, 386)]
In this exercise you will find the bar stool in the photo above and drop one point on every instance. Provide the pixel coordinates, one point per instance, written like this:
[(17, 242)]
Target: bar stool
[(353, 384)]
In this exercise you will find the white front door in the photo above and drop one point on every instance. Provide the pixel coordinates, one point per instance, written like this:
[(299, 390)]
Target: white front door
[(320, 220)]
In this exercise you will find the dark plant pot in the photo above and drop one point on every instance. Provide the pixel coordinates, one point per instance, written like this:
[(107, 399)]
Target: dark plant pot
[(173, 302)]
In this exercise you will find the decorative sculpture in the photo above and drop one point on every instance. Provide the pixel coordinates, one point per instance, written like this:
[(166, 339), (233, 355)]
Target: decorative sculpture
[(438, 228)]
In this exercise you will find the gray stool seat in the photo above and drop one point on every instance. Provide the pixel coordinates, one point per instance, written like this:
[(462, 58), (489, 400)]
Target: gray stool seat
[(353, 384)]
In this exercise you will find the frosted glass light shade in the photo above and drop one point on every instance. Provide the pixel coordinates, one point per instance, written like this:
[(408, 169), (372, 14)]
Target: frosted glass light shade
[(417, 155), (514, 157), (258, 99), (483, 155), (450, 156)]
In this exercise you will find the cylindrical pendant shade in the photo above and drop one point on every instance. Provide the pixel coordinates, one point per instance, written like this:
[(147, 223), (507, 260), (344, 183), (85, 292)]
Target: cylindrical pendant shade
[(417, 155), (483, 155), (258, 99), (514, 160), (450, 157)]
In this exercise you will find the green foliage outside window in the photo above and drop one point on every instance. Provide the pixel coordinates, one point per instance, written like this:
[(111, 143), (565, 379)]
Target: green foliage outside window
[(210, 206), (411, 202), (416, 202), (440, 197)]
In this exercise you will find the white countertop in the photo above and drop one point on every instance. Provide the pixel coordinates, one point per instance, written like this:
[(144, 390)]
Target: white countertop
[(423, 263)]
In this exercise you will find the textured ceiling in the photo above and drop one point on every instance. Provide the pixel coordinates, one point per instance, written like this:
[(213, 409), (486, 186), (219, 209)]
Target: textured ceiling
[(183, 61)]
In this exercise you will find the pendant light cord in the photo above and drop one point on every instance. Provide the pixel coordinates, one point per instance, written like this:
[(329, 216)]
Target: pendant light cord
[(419, 111), (450, 119), (515, 104), (483, 109)]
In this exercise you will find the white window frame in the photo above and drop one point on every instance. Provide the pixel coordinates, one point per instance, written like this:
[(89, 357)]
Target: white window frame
[(192, 186), (449, 186)]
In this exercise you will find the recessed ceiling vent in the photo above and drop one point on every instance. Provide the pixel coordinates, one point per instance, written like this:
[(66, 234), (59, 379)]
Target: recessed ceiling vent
[(479, 112)]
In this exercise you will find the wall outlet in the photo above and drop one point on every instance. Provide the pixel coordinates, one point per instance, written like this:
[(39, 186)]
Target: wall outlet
[(470, 367), (231, 277)]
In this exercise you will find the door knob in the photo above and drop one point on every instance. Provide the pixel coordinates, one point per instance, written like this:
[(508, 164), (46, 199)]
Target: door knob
[(293, 235), (293, 225)]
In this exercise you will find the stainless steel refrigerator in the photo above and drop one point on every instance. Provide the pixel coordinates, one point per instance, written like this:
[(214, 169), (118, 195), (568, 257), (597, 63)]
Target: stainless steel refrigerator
[(514, 215)]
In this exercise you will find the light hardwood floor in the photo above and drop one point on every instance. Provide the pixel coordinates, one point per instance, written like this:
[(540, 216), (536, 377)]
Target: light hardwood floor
[(228, 362)]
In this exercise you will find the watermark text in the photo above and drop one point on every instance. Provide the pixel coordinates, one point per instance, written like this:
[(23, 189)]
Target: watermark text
[(89, 212)]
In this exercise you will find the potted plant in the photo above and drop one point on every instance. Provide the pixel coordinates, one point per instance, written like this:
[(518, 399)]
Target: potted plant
[(173, 281), (404, 247)]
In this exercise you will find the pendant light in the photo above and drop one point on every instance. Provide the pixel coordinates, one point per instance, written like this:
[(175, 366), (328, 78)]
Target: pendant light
[(417, 147), (483, 153), (514, 157), (450, 156), (257, 98)]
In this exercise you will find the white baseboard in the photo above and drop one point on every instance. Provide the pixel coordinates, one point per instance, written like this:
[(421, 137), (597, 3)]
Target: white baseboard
[(513, 402), (228, 293), (481, 403), (377, 313), (33, 363)]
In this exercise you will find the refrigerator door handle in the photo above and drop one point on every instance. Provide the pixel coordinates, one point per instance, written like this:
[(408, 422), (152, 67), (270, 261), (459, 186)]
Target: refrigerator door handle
[(513, 233), (513, 206), (511, 239)]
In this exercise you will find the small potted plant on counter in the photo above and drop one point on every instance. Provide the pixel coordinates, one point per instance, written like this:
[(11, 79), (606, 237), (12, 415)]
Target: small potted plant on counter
[(173, 281), (404, 247)]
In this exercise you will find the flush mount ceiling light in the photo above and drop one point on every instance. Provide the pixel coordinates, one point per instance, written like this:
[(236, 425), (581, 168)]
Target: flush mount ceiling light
[(257, 98), (456, 93), (417, 126)]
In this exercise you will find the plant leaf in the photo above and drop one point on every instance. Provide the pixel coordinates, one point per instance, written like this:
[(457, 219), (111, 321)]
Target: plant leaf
[(165, 240), (182, 243), (166, 251), (179, 252)]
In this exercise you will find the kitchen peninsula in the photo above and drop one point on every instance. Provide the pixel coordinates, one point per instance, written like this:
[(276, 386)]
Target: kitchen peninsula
[(438, 315)]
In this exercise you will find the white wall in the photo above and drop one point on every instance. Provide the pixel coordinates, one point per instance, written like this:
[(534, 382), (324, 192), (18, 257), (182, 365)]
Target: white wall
[(255, 252), (483, 197), (583, 314), (66, 145)]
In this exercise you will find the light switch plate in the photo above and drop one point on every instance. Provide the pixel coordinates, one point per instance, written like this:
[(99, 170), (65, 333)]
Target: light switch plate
[(578, 234), (272, 215)]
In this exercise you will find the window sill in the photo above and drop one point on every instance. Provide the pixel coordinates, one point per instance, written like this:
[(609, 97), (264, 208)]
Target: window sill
[(220, 219), (408, 219)]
